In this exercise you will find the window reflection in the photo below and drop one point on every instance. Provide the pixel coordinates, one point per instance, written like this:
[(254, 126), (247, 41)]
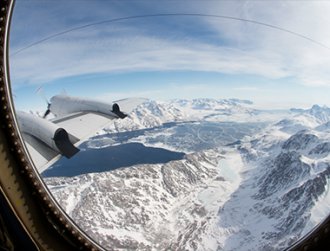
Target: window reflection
[(203, 130)]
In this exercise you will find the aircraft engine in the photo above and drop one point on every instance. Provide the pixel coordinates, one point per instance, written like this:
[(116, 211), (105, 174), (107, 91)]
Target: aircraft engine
[(62, 105), (53, 136)]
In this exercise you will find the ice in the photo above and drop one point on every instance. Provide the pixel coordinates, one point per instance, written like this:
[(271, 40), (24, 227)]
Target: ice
[(230, 166), (214, 197)]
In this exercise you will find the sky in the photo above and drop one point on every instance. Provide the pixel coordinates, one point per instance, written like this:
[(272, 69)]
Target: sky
[(279, 57)]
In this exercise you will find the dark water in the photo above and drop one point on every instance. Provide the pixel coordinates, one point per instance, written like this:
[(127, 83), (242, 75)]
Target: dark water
[(110, 158), (190, 136)]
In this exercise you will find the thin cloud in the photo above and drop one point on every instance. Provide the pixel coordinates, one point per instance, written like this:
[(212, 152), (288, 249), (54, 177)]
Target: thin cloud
[(247, 89), (243, 48), (60, 59)]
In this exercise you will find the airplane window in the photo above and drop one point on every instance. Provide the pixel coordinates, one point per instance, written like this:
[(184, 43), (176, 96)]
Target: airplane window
[(178, 125)]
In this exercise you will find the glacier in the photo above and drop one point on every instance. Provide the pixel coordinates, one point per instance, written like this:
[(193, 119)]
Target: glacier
[(244, 179)]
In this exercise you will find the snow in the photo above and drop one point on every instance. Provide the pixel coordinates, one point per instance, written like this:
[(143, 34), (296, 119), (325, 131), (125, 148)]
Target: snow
[(230, 166), (320, 211), (224, 195)]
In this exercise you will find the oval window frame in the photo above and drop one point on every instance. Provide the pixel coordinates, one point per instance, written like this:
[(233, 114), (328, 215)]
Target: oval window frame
[(21, 185), (27, 194)]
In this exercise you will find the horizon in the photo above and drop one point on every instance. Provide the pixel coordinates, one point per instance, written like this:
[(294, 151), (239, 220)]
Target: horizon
[(162, 57), (251, 104)]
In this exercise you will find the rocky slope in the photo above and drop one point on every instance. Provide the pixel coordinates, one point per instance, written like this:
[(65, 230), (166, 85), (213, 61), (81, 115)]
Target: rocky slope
[(262, 192), (145, 207)]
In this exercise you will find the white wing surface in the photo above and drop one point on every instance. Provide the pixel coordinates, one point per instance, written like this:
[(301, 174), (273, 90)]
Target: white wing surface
[(42, 155), (48, 140), (129, 104), (83, 124)]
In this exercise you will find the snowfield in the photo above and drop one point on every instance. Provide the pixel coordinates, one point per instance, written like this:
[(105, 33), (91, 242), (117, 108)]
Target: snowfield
[(248, 180)]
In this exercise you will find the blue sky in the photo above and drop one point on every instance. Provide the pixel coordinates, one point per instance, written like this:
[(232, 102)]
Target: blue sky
[(171, 56)]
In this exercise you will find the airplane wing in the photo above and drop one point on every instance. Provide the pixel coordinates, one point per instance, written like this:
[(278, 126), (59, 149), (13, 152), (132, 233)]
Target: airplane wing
[(85, 123), (47, 140)]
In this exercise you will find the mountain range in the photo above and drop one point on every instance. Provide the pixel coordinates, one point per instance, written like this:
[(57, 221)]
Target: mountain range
[(249, 179)]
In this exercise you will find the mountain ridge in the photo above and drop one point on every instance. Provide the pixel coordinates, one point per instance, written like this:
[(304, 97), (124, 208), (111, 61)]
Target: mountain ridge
[(259, 193)]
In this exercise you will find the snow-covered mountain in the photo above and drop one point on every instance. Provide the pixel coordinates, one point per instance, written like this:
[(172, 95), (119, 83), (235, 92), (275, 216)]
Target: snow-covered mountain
[(302, 119), (284, 186), (320, 114), (145, 207), (156, 113), (261, 189)]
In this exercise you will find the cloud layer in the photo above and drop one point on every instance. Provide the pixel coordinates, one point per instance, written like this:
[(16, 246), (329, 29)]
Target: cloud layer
[(183, 43)]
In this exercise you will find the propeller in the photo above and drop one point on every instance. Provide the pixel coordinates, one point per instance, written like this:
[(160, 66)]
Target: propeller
[(40, 91), (47, 111)]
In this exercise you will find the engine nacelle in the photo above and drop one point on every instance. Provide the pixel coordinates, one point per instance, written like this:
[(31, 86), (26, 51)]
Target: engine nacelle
[(62, 105), (53, 136)]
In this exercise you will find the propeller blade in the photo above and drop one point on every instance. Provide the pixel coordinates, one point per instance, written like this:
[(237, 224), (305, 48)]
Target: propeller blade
[(47, 111)]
